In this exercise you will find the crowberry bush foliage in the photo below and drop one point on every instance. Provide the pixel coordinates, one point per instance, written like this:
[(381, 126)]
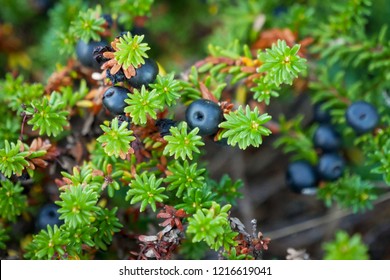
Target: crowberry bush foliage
[(118, 115)]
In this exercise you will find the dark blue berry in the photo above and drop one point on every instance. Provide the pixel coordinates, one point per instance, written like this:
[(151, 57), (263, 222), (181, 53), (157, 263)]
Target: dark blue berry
[(320, 115), (114, 99), (145, 74), (205, 115), (330, 166), (108, 19), (326, 138), (48, 215), (164, 125), (98, 51), (117, 77), (301, 176), (362, 117), (85, 53)]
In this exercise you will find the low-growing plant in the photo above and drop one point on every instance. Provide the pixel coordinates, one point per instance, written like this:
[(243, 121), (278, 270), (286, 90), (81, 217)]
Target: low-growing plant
[(97, 125)]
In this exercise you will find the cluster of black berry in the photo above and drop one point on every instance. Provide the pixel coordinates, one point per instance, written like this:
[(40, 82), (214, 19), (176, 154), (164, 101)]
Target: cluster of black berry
[(301, 176)]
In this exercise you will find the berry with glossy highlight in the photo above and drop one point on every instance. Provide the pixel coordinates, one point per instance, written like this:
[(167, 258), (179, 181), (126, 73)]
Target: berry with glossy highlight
[(205, 115), (145, 74), (114, 99), (326, 138), (362, 116), (330, 166), (85, 53), (301, 176)]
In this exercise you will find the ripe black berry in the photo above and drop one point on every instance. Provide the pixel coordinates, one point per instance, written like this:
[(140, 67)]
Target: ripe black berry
[(330, 166), (320, 115), (48, 215), (84, 52), (164, 125), (145, 74), (301, 176), (362, 116), (114, 99), (204, 114), (117, 77), (326, 138), (98, 51)]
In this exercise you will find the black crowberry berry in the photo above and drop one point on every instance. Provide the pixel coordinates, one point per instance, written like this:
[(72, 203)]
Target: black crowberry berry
[(205, 115), (117, 77), (98, 51), (301, 176), (330, 166), (164, 125), (48, 215), (320, 115), (362, 116), (326, 138), (84, 52), (114, 99), (145, 74)]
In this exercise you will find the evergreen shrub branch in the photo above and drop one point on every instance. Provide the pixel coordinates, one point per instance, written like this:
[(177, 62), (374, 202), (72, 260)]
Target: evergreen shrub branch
[(146, 189), (184, 177), (281, 63), (12, 201), (182, 144), (116, 139), (88, 25), (48, 116), (245, 127), (131, 50), (143, 104)]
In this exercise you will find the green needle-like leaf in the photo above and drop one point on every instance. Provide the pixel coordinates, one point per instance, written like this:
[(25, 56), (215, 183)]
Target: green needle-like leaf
[(245, 127), (212, 226), (184, 177), (131, 51), (142, 104), (281, 63), (346, 247), (182, 144), (146, 189), (78, 205), (107, 223), (48, 243), (88, 25), (12, 160), (12, 201), (4, 237), (116, 139), (168, 88), (48, 116)]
